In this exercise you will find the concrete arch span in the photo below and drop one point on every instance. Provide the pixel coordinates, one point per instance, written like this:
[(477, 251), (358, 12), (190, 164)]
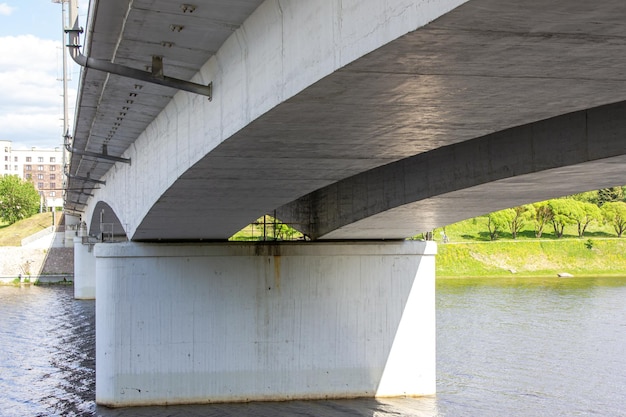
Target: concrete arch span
[(563, 155), (105, 225), (287, 120)]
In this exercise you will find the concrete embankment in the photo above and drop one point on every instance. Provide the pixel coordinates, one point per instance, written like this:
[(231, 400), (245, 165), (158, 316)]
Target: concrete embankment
[(44, 260)]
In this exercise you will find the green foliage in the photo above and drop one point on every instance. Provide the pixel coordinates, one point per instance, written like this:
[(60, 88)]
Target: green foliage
[(497, 221), (542, 216), (562, 214), (18, 199), (588, 197), (511, 219), (584, 213), (522, 214), (267, 228), (611, 194), (615, 214)]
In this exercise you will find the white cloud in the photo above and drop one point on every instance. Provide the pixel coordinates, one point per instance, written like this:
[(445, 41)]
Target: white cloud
[(5, 9), (31, 100), (28, 51)]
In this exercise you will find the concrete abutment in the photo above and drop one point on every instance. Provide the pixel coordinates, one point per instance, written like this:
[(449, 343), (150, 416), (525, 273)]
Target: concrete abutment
[(182, 324)]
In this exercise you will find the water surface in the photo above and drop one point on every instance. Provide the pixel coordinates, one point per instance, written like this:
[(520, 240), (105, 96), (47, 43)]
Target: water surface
[(505, 347)]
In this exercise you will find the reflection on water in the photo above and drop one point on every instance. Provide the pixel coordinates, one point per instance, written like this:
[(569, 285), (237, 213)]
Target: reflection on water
[(505, 347)]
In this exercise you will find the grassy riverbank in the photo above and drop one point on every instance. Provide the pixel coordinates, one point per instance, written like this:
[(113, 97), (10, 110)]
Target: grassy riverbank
[(470, 253), (593, 257), (12, 235)]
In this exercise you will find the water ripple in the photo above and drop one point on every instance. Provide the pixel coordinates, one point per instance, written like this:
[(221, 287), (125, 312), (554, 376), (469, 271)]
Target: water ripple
[(501, 350)]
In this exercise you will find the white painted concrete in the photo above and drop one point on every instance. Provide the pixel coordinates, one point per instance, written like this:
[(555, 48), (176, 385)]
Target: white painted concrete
[(239, 322), (84, 271), (281, 49)]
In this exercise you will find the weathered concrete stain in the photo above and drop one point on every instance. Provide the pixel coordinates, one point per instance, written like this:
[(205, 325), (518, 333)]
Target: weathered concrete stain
[(277, 271)]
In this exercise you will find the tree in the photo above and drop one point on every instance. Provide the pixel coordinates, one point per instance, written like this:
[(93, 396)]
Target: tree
[(542, 216), (520, 215), (588, 197), (496, 222), (583, 213), (512, 219), (18, 199), (607, 195), (615, 213), (562, 215)]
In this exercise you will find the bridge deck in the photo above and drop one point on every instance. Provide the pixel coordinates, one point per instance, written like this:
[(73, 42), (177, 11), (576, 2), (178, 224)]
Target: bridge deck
[(487, 66)]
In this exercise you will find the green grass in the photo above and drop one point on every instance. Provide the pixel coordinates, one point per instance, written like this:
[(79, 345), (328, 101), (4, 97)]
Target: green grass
[(532, 258), (12, 235), (470, 253)]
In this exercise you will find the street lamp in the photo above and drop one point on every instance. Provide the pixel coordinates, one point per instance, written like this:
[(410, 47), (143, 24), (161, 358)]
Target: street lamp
[(65, 98)]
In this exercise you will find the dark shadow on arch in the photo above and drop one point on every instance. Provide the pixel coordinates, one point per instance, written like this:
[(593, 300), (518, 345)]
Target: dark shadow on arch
[(563, 155), (105, 225)]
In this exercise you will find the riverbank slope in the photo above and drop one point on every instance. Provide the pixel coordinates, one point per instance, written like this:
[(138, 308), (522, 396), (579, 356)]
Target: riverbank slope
[(579, 257)]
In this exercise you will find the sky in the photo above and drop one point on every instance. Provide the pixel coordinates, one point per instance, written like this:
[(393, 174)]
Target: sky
[(31, 70)]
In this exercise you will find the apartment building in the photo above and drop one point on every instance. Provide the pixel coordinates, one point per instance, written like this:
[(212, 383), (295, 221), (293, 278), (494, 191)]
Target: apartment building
[(44, 167)]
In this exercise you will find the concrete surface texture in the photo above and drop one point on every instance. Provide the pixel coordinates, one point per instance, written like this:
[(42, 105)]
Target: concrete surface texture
[(242, 322), (309, 94), (39, 257), (84, 271)]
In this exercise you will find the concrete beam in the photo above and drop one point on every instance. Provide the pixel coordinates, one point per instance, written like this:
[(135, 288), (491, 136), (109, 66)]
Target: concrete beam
[(572, 153)]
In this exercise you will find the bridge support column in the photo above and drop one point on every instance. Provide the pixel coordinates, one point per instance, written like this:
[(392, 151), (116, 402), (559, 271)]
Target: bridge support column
[(240, 322), (84, 271)]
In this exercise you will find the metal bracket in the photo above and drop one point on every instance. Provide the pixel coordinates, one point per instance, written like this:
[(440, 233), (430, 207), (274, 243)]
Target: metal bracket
[(87, 179), (155, 77), (103, 155), (81, 193), (78, 202)]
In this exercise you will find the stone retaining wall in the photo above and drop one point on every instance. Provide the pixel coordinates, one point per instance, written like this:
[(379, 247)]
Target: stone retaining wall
[(15, 260)]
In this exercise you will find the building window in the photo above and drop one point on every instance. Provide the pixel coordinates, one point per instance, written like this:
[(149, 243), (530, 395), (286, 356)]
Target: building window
[(52, 194), (53, 159), (53, 185), (28, 167), (15, 159), (6, 167), (29, 159), (39, 167), (6, 157), (29, 176), (15, 168), (40, 176), (40, 185), (53, 167), (40, 159), (53, 176)]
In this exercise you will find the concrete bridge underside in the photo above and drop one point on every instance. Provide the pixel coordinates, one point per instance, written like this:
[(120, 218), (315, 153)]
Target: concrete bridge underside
[(356, 120), (431, 125)]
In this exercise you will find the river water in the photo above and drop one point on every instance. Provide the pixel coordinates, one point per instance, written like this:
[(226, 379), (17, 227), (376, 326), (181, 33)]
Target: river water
[(505, 347)]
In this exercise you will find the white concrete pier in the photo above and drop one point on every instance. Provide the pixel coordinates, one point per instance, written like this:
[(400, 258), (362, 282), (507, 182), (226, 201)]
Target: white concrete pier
[(84, 271), (241, 322)]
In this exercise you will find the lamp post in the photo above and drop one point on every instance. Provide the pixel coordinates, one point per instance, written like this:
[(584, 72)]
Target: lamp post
[(65, 98)]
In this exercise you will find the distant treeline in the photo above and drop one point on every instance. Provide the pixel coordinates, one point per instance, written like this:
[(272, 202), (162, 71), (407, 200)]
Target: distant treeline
[(607, 206)]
